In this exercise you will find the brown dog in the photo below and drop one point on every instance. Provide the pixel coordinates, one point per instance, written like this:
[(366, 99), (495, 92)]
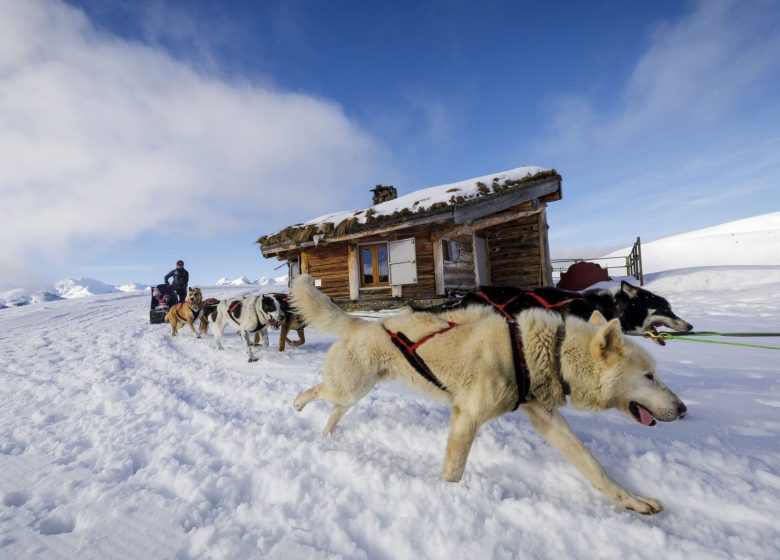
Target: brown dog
[(186, 312), (208, 306), (292, 322)]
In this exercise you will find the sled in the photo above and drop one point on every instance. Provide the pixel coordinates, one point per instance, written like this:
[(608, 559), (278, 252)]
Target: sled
[(158, 310)]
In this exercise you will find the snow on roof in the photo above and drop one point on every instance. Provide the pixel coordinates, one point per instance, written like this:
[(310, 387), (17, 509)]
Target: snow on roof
[(424, 201), (425, 198)]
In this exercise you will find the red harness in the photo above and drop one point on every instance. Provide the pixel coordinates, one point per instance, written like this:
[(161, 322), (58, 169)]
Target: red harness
[(547, 305), (409, 351)]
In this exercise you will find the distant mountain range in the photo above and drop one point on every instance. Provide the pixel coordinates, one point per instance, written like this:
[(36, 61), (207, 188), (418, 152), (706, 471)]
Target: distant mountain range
[(71, 288), (244, 281)]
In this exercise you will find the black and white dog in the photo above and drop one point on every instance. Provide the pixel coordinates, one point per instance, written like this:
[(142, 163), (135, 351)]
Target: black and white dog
[(639, 310), (250, 314)]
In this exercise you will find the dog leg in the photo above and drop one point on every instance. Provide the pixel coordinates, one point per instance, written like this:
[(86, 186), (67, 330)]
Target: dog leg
[(192, 328), (341, 402), (559, 434), (218, 335), (264, 333), (283, 330), (463, 430), (335, 415), (245, 338), (301, 338), (307, 396)]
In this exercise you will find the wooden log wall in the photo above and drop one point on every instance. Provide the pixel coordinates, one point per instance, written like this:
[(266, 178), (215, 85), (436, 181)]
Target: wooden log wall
[(328, 263), (515, 253)]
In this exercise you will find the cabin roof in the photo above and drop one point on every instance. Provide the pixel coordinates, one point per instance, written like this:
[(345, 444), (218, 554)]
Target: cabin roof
[(424, 204)]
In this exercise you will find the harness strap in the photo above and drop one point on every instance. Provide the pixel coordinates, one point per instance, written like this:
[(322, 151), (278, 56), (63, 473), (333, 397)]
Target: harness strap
[(409, 351), (522, 375), (235, 310), (500, 306), (547, 305)]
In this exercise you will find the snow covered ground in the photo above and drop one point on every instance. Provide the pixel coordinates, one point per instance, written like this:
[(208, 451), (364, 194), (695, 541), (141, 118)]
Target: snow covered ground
[(117, 441), (752, 241)]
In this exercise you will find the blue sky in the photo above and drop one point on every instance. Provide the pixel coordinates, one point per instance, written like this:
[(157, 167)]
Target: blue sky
[(135, 133)]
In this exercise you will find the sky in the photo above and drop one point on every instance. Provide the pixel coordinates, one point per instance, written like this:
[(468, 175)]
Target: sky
[(135, 133)]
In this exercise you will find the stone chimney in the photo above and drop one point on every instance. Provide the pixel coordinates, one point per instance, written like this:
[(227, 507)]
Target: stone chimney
[(383, 193)]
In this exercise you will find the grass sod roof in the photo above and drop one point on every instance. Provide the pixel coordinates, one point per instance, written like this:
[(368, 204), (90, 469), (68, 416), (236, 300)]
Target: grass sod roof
[(477, 191)]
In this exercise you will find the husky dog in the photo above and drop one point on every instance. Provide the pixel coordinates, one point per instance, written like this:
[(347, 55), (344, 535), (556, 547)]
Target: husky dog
[(471, 359), (186, 312), (639, 311), (292, 322), (250, 314)]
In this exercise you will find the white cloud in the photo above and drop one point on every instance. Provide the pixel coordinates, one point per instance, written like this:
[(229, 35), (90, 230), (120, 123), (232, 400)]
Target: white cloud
[(102, 139), (693, 71)]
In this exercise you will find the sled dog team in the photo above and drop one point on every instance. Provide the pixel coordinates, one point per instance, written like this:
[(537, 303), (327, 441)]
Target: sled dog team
[(497, 351), (249, 315)]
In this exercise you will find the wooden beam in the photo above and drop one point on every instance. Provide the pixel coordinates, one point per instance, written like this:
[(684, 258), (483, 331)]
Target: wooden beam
[(546, 268), (304, 262), (438, 266), (469, 229), (353, 264), (475, 211)]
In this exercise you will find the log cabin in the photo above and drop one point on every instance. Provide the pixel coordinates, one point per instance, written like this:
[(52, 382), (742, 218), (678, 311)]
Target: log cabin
[(428, 245)]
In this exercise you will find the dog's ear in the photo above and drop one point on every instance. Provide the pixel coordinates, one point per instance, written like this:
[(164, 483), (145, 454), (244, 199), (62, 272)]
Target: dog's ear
[(608, 342), (596, 318), (628, 289)]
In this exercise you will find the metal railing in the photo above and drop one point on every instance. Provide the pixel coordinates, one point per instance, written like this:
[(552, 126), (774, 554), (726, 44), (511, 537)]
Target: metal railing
[(631, 263)]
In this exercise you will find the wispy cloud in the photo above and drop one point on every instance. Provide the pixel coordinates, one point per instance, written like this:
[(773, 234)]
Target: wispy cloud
[(685, 139), (693, 71), (102, 139)]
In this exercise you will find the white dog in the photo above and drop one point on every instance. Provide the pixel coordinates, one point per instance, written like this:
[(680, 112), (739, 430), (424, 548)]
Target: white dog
[(250, 314), (466, 357)]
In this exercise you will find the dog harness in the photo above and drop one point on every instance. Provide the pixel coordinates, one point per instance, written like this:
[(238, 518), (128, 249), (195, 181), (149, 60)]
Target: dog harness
[(501, 307), (522, 375), (409, 351), (235, 310)]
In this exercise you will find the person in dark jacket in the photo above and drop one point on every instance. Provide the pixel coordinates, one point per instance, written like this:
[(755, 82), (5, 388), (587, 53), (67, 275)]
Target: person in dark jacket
[(180, 279)]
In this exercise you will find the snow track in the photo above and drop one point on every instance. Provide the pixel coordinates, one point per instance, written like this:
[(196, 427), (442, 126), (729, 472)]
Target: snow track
[(118, 441)]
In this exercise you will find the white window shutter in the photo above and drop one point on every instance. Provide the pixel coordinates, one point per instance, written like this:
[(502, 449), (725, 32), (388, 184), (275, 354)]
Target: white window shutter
[(402, 258)]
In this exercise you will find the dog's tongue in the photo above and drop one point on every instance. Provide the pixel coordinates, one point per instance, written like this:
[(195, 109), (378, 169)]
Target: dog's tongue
[(644, 416)]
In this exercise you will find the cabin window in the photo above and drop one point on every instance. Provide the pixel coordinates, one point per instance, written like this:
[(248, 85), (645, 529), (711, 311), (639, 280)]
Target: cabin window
[(450, 250), (373, 265)]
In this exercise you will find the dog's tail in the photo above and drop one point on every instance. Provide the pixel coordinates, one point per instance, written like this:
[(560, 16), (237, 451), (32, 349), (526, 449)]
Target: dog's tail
[(317, 309)]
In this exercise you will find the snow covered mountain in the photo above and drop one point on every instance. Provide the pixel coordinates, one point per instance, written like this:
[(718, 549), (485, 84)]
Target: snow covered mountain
[(240, 281), (244, 281), (26, 296), (132, 287), (752, 241), (82, 287)]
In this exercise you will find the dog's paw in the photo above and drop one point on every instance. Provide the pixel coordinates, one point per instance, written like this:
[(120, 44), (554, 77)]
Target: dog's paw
[(641, 504), (299, 404)]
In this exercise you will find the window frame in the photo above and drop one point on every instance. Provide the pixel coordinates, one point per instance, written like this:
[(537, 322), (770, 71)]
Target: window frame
[(374, 247)]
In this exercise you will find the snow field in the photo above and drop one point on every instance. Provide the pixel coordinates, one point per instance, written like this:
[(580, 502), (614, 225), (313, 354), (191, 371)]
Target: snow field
[(118, 441)]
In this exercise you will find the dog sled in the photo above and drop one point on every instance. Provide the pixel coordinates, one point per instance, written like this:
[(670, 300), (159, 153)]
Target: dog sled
[(163, 298)]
